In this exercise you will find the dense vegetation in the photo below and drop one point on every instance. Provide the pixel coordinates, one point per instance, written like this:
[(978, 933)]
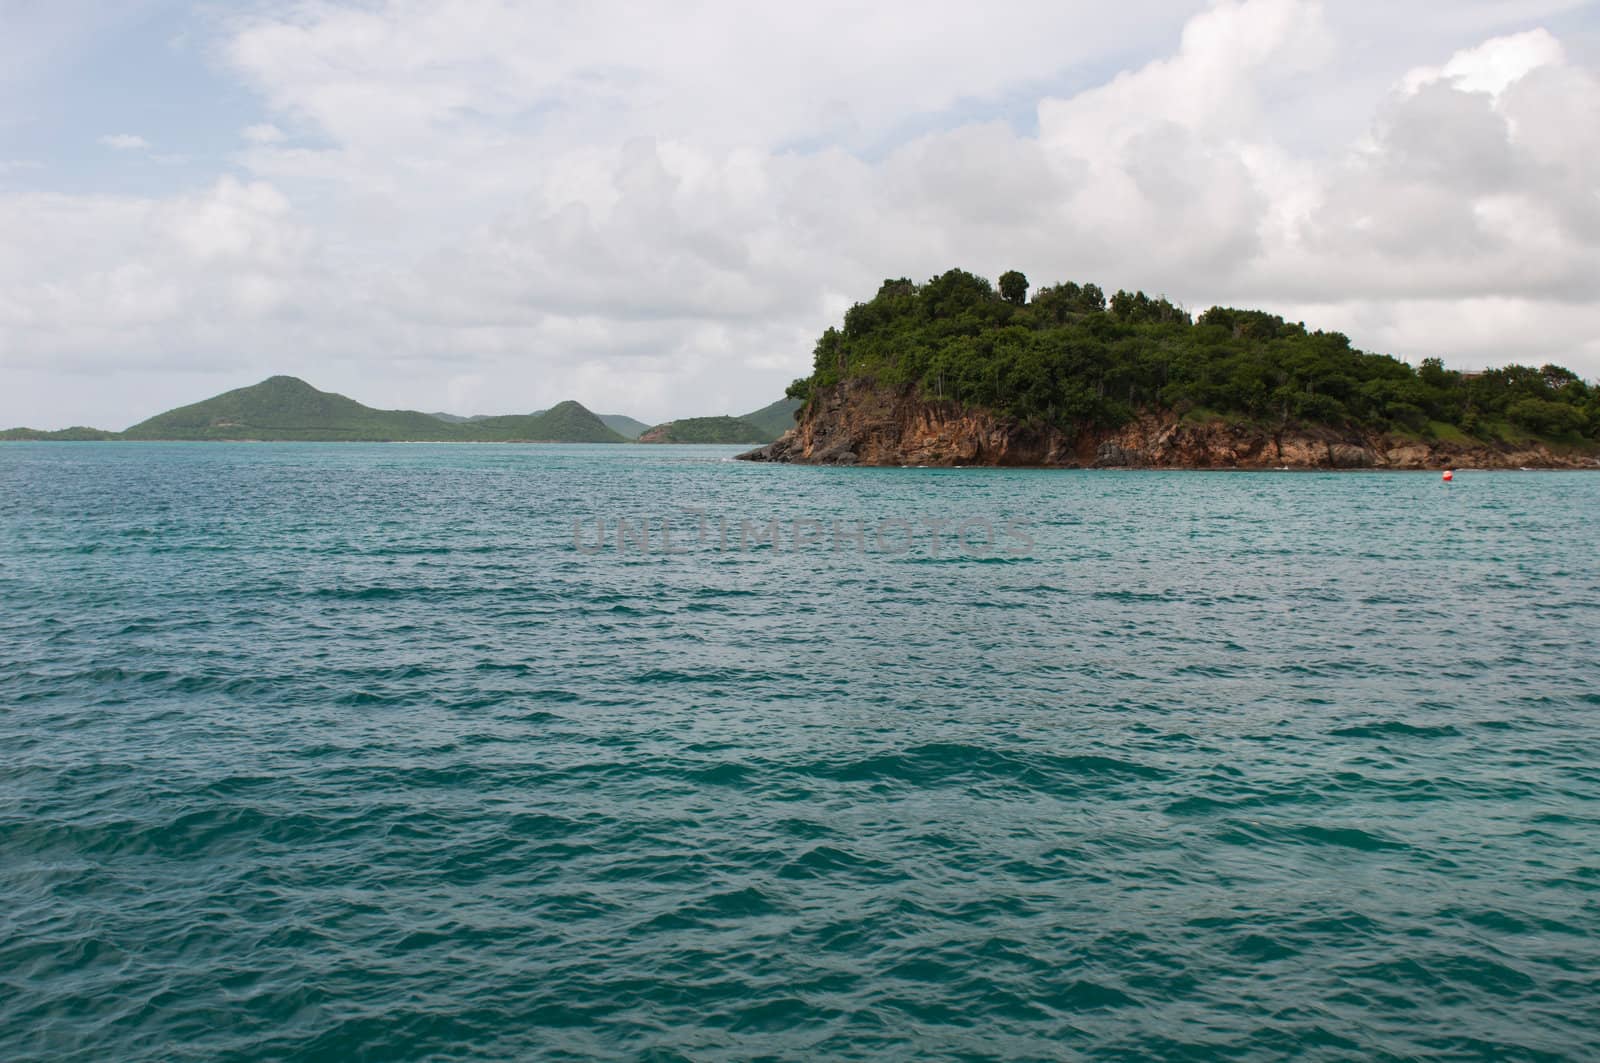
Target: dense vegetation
[(708, 430), (1075, 359)]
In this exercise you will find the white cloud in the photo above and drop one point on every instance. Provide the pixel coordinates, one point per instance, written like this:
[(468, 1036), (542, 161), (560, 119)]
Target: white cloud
[(723, 72), (108, 282), (1464, 193), (656, 210), (1493, 66), (125, 142)]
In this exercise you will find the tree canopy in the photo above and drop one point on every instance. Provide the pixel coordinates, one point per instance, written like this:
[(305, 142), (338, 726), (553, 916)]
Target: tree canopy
[(1014, 287), (1072, 358)]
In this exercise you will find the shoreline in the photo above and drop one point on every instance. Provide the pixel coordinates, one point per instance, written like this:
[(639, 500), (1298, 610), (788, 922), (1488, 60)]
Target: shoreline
[(1373, 470)]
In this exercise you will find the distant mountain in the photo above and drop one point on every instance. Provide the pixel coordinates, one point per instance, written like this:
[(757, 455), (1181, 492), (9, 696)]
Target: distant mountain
[(75, 434), (765, 425), (565, 422), (775, 419), (285, 408), (623, 425), (707, 430)]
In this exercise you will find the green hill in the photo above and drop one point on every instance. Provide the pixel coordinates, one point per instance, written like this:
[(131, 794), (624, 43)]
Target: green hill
[(707, 430), (762, 426), (285, 408), (75, 434), (775, 419), (565, 422), (624, 426)]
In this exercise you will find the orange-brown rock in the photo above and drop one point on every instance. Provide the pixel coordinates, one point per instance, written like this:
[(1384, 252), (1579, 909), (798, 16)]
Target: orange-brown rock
[(858, 423)]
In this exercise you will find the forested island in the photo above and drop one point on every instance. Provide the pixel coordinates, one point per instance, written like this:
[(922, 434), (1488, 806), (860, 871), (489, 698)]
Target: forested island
[(960, 371)]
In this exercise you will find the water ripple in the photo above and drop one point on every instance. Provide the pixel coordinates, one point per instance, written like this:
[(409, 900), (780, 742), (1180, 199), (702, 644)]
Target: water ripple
[(345, 752)]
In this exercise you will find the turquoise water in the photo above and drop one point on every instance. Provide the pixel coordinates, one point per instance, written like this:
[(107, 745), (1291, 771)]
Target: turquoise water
[(355, 752)]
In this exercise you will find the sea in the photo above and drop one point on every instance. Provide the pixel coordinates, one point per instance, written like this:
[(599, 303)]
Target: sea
[(483, 752)]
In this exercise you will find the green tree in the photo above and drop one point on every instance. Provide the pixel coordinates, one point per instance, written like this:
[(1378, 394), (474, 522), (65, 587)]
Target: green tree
[(1546, 417), (1013, 287)]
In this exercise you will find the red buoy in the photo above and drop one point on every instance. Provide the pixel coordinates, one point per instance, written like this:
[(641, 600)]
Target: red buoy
[(1449, 474)]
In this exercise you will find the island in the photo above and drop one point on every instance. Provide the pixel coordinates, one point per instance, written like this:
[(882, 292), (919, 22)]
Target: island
[(708, 430), (959, 371), (287, 409)]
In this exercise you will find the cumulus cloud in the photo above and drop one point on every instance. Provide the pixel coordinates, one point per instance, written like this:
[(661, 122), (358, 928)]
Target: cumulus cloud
[(722, 72), (1477, 182), (1493, 66), (494, 205), (113, 282)]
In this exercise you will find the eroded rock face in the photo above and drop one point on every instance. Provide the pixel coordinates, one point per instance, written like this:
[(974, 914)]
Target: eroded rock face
[(857, 423), (1349, 456)]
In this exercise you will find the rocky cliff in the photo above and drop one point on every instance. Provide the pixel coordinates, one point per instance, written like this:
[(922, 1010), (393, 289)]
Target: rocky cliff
[(858, 423)]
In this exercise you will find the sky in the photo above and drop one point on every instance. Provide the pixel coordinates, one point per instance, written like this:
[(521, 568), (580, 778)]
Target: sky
[(488, 206)]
